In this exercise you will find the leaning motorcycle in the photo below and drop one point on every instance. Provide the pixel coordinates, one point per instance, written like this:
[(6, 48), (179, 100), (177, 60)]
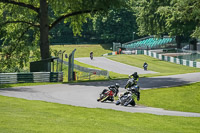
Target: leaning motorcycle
[(107, 95), (131, 82), (129, 96)]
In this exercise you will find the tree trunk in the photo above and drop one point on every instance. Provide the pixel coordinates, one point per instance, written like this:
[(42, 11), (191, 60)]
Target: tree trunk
[(193, 42), (178, 42), (44, 30)]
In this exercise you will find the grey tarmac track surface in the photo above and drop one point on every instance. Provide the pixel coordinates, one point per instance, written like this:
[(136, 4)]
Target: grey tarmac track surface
[(85, 94), (113, 66)]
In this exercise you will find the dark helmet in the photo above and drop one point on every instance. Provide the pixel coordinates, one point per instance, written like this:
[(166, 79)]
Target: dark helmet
[(135, 73), (117, 85)]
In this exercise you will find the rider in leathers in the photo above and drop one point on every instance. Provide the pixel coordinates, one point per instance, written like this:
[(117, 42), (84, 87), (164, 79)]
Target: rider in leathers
[(133, 82), (114, 89)]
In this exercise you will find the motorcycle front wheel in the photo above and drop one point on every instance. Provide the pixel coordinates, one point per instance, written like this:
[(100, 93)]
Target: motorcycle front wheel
[(98, 99), (117, 103), (104, 99)]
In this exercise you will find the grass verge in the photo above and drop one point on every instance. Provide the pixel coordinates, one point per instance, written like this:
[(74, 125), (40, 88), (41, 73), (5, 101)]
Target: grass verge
[(183, 98), (162, 67), (82, 50), (19, 115), (27, 84)]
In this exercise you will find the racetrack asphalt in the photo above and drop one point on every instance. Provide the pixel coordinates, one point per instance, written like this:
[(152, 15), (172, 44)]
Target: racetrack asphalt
[(113, 66), (85, 94)]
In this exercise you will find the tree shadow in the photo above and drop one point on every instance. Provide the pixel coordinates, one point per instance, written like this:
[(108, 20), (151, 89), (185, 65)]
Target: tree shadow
[(144, 83), (106, 46), (17, 89)]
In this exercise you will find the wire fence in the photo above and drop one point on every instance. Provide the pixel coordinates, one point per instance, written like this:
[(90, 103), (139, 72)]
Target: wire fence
[(84, 73)]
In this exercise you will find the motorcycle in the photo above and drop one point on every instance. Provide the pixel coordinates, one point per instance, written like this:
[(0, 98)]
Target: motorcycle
[(108, 94), (129, 96), (145, 67), (131, 82)]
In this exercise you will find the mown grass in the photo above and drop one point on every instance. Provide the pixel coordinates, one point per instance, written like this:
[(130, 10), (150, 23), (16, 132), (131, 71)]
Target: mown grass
[(83, 50), (26, 84), (24, 116), (162, 67), (183, 98)]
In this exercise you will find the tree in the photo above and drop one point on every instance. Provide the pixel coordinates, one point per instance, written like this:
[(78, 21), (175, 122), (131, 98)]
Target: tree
[(18, 17), (117, 26), (173, 17)]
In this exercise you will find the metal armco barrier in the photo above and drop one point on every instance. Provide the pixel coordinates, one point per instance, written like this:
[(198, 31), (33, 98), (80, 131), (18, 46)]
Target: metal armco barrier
[(32, 77)]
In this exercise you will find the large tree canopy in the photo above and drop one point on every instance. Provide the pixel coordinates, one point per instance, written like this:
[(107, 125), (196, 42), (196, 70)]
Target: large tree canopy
[(117, 26), (172, 17), (27, 22)]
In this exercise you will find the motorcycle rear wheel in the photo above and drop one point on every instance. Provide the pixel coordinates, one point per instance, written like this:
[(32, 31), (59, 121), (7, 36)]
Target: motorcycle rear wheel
[(132, 103)]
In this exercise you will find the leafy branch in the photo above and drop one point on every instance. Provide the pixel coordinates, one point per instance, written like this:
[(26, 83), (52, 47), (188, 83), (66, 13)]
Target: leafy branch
[(70, 15), (19, 21), (36, 9)]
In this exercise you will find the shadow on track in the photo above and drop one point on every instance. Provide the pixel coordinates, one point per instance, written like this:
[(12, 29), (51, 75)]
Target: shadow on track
[(144, 83)]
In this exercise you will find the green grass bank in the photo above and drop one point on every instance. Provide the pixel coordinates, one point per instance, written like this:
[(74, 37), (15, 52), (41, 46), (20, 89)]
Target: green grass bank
[(162, 67), (24, 116), (183, 98)]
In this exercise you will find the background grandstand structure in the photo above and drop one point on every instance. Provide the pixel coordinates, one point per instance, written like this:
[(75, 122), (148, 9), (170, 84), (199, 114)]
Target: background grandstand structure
[(149, 42)]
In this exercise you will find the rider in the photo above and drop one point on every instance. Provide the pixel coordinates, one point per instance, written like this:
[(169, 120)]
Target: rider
[(145, 66), (133, 79), (110, 94), (135, 76), (91, 55), (114, 88)]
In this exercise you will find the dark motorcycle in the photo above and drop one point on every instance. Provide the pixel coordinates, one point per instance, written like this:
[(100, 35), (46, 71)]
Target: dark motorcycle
[(145, 67), (129, 96), (131, 82), (109, 94)]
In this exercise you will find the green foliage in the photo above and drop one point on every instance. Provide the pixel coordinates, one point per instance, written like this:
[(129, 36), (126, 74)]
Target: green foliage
[(170, 17), (173, 17), (20, 23), (116, 26)]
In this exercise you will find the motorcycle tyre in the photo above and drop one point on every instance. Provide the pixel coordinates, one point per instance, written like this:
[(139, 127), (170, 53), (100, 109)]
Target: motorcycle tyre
[(98, 99), (132, 103), (117, 103)]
